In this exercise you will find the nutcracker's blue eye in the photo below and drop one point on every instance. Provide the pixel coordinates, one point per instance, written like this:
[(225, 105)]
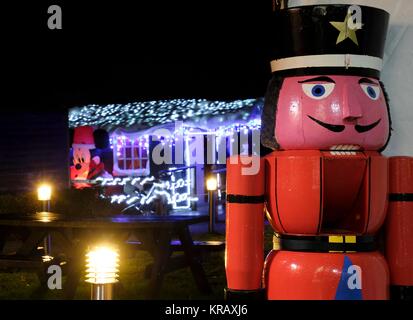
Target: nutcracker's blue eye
[(372, 91), (318, 90)]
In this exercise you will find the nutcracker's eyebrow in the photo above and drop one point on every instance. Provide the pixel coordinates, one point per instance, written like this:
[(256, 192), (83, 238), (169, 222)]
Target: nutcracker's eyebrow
[(367, 80), (318, 79)]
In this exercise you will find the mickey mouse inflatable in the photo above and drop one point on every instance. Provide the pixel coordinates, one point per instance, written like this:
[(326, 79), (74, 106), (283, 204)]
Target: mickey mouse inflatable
[(87, 164)]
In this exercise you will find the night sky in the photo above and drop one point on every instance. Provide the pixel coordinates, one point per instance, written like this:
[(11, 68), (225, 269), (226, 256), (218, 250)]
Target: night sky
[(117, 52)]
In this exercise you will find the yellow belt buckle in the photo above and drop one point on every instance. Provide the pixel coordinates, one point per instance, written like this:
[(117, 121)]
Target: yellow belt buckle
[(342, 239), (350, 239), (335, 239), (276, 245)]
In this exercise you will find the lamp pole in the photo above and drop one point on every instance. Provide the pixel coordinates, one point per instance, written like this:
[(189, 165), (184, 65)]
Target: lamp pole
[(211, 187), (47, 241), (101, 291), (46, 205), (44, 194), (211, 210), (47, 246)]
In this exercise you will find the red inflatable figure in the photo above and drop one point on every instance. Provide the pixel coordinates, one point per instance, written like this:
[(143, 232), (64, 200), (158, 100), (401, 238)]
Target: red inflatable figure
[(326, 190), (85, 166)]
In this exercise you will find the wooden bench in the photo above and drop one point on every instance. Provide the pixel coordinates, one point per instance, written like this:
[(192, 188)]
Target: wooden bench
[(176, 246), (20, 262), (202, 245), (77, 232), (201, 248)]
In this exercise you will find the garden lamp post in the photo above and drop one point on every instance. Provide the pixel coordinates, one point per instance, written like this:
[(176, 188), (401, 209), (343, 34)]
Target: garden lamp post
[(102, 267), (44, 194), (211, 187)]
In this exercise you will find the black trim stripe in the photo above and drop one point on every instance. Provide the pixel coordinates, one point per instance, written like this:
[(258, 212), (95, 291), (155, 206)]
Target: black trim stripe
[(237, 198), (322, 244), (321, 210), (405, 197), (352, 71), (276, 206), (369, 194)]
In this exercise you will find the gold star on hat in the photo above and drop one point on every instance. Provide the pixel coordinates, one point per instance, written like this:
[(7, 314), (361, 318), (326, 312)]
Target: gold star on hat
[(345, 31)]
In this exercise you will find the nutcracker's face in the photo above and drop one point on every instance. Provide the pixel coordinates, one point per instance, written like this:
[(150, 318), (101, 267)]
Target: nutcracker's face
[(331, 112)]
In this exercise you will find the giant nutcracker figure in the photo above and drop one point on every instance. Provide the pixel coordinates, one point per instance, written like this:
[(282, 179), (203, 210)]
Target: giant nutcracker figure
[(326, 190)]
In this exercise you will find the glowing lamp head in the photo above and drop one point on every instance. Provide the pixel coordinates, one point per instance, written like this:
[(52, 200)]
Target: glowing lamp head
[(102, 265), (44, 192), (212, 184)]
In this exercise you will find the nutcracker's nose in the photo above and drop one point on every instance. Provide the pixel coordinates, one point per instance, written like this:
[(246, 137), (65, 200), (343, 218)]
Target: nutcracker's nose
[(352, 110), (78, 166)]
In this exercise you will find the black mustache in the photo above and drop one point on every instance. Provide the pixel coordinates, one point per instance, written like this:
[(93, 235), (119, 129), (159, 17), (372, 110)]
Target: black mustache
[(340, 128), (361, 129), (331, 127)]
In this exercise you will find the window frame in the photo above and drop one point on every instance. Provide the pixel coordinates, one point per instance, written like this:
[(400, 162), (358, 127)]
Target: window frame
[(116, 159)]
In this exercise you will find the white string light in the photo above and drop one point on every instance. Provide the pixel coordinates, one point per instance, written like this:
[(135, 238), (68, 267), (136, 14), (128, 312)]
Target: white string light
[(151, 113), (148, 114)]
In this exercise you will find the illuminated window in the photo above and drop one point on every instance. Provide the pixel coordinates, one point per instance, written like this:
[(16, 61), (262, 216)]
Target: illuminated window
[(131, 155)]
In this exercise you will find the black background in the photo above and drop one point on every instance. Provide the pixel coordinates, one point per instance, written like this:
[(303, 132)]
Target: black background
[(116, 52), (256, 309), (123, 51)]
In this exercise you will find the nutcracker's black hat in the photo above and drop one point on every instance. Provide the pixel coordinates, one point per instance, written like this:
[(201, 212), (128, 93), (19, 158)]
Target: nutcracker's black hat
[(328, 39)]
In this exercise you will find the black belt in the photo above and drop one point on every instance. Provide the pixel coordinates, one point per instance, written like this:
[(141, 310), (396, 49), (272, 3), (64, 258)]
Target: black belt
[(404, 197), (331, 243), (237, 198)]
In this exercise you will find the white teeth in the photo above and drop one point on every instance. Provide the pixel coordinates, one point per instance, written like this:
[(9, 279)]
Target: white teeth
[(345, 147), (343, 153)]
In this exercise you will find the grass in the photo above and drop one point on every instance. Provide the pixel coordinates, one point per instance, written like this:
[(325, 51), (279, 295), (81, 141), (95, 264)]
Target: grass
[(177, 285)]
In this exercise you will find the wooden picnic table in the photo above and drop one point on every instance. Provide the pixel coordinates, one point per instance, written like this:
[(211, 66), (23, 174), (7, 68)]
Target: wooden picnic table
[(155, 233)]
